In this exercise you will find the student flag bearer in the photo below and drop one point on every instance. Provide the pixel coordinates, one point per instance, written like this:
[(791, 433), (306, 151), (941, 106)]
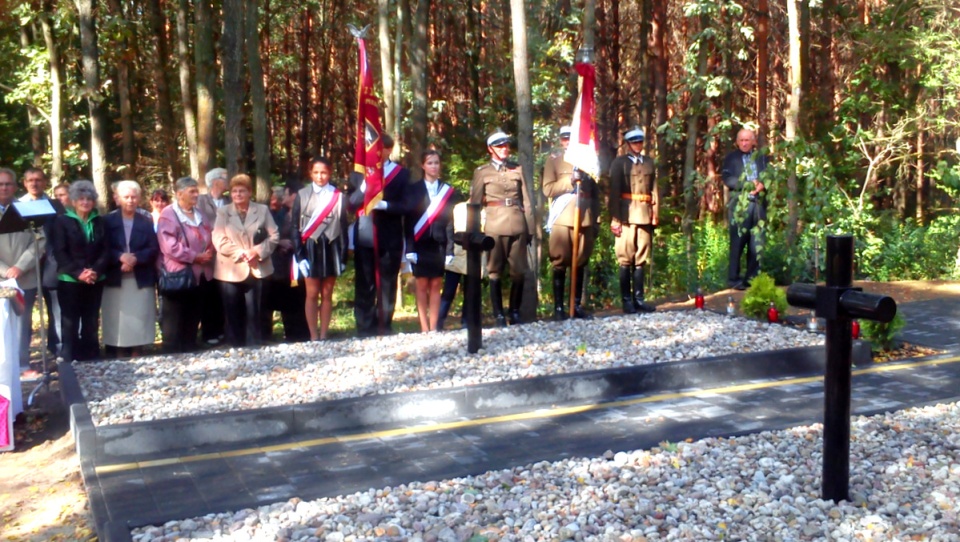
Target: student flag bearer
[(379, 197)]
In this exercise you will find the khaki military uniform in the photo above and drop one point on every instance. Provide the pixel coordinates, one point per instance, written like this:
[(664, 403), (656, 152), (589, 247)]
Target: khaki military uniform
[(557, 181), (509, 216), (635, 202)]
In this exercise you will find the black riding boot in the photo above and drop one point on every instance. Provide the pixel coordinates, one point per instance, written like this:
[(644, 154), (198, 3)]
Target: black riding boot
[(626, 294), (638, 292), (516, 297), (559, 283), (578, 311), (496, 301)]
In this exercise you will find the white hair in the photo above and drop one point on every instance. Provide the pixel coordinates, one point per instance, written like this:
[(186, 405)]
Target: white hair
[(123, 186)]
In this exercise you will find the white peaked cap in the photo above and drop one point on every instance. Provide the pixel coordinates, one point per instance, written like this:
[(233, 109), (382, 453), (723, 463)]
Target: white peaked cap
[(633, 136), (497, 138)]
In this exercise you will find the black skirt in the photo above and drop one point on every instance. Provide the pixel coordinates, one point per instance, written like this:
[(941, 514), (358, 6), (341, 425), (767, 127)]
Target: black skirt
[(324, 257), (430, 259)]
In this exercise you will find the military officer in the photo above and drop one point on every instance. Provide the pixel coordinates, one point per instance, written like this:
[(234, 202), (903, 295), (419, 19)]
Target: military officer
[(499, 186), (634, 212), (563, 185)]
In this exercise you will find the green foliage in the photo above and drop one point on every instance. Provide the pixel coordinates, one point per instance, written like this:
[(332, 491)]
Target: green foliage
[(882, 336), (762, 292)]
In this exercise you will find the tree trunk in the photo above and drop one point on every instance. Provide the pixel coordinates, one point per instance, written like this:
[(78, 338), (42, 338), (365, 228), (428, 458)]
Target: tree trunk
[(763, 66), (660, 74), (186, 94), (206, 82), (258, 101), (123, 93), (165, 125), (404, 28), (827, 69), (90, 65), (795, 81), (36, 137), (921, 179), (304, 81), (386, 67), (231, 59), (56, 94), (690, 199), (521, 75), (418, 82)]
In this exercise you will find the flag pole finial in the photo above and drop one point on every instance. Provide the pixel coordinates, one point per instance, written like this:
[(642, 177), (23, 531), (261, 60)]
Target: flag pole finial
[(358, 33)]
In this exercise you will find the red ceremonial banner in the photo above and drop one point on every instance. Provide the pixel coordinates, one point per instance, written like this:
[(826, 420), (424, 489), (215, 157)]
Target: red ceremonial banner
[(582, 152), (369, 146)]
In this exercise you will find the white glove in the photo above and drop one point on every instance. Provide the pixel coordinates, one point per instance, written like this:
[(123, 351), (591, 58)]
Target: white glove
[(380, 206), (412, 257), (448, 260), (343, 267), (363, 187)]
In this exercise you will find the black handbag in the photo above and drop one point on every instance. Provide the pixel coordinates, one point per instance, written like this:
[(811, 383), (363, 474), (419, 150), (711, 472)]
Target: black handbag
[(176, 281)]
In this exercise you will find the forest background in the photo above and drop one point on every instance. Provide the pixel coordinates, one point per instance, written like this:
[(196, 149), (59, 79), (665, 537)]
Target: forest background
[(856, 102)]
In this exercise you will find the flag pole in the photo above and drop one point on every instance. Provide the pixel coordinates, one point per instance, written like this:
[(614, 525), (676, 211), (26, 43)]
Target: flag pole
[(575, 256)]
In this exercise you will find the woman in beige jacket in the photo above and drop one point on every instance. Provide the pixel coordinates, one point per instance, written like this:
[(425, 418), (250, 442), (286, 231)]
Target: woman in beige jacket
[(245, 236)]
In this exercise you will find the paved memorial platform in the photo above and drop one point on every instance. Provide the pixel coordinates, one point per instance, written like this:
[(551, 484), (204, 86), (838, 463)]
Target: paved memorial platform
[(616, 410)]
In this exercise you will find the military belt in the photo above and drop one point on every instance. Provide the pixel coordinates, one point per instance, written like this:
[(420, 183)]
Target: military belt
[(501, 202), (644, 198)]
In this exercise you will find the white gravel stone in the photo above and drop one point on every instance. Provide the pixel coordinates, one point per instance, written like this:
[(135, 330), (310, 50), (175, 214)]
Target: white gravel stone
[(152, 388), (575, 499)]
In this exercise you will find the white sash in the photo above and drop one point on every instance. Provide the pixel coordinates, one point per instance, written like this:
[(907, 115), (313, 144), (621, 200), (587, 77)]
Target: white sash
[(557, 206)]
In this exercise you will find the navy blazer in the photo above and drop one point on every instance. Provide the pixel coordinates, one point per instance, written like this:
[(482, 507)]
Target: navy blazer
[(389, 222), (441, 231), (143, 245)]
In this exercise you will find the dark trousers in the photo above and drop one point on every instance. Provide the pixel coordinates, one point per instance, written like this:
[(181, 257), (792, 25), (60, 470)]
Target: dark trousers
[(279, 295), (451, 281), (241, 307), (80, 314), (211, 316), (366, 310), (181, 318), (745, 235)]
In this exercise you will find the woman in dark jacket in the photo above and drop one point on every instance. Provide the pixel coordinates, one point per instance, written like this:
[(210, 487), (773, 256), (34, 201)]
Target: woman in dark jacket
[(129, 300), (81, 250), (430, 238)]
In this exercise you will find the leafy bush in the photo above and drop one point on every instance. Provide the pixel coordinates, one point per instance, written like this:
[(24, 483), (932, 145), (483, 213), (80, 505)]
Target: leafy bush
[(763, 291), (882, 335)]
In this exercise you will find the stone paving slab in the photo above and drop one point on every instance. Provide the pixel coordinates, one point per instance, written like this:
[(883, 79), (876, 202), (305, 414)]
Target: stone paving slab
[(153, 495), (934, 323)]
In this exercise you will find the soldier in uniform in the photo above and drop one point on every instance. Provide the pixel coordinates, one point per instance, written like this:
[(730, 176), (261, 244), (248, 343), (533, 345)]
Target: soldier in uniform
[(499, 186), (563, 184), (634, 212)]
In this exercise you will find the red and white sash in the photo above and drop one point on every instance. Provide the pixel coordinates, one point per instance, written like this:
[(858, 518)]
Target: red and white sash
[(432, 212), (318, 217), (321, 214)]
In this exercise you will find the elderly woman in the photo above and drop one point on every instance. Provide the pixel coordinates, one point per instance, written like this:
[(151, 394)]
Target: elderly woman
[(186, 242), (245, 236), (82, 254), (129, 307)]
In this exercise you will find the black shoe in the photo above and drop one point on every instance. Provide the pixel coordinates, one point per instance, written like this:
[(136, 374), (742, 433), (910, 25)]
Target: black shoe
[(500, 320), (644, 307), (581, 314), (514, 318), (559, 283), (516, 298), (559, 314), (742, 285)]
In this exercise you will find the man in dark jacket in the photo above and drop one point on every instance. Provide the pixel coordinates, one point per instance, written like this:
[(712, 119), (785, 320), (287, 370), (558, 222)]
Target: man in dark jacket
[(375, 315), (746, 206)]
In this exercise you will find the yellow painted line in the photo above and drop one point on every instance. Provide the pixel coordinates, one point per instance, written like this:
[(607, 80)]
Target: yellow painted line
[(520, 416)]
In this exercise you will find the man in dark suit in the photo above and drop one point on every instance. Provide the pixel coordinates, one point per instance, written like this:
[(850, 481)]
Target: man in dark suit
[(387, 223), (746, 206), (212, 319)]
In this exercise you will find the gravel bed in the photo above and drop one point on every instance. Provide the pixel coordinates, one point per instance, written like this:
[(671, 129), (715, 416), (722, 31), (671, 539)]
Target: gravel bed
[(215, 381), (905, 484)]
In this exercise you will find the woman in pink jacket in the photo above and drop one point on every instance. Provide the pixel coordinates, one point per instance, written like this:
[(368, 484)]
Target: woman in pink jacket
[(185, 242)]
